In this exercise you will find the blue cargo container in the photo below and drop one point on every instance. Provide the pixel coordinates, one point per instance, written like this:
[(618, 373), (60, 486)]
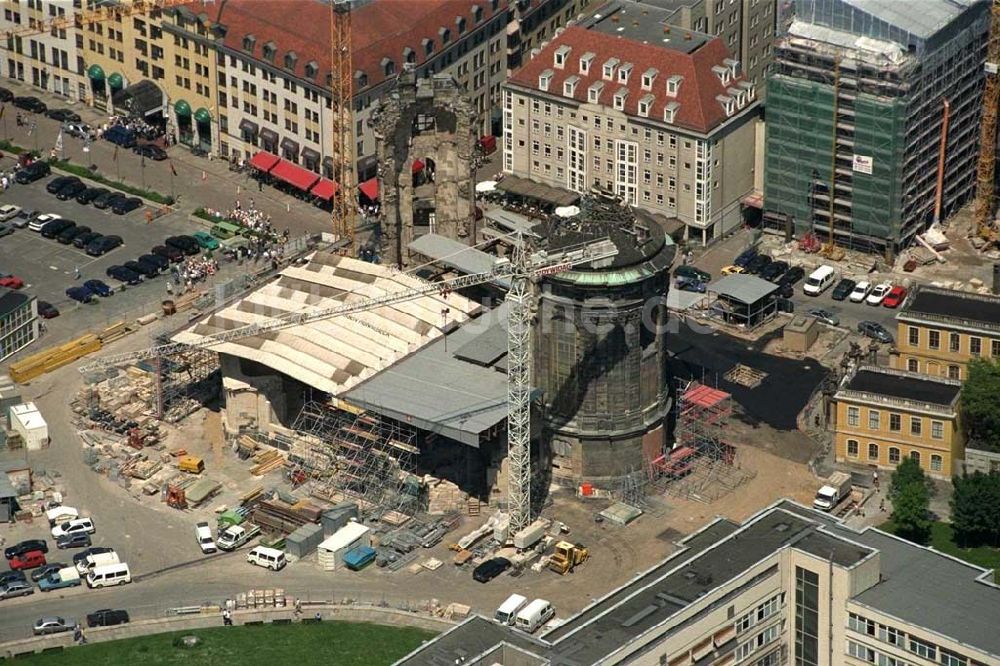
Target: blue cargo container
[(358, 558)]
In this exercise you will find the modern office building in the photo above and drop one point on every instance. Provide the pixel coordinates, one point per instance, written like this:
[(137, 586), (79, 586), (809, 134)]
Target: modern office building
[(660, 116), (50, 60), (884, 416), (19, 322), (941, 330), (873, 118)]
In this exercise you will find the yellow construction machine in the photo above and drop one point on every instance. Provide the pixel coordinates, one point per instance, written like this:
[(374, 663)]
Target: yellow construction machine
[(567, 556)]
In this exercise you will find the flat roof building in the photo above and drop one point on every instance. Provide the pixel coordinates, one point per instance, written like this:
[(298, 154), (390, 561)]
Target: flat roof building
[(789, 585)]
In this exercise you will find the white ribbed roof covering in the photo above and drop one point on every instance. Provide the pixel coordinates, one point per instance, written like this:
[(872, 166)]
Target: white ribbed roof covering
[(333, 355)]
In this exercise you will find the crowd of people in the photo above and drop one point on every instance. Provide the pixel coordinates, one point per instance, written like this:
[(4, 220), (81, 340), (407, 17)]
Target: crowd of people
[(138, 126), (254, 220)]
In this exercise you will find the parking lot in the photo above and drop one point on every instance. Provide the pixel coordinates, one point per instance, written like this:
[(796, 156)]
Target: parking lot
[(49, 268)]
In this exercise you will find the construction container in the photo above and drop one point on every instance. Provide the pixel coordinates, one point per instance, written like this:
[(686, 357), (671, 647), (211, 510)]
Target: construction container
[(358, 558), (339, 515), (331, 552), (531, 534), (27, 422), (304, 540)]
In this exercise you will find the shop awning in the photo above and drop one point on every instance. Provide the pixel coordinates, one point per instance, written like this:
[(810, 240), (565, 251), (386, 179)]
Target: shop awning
[(417, 167), (203, 116), (182, 108), (96, 72), (248, 126), (325, 189), (140, 99), (310, 154), (370, 188), (290, 145), (116, 81), (294, 175), (264, 161)]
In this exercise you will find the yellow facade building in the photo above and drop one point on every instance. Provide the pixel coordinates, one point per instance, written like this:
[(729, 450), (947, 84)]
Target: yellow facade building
[(940, 330), (885, 415)]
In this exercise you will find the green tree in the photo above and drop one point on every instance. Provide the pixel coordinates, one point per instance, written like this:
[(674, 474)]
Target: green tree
[(980, 406), (910, 492), (975, 509)]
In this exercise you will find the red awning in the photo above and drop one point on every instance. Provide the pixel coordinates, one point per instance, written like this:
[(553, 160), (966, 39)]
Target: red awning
[(264, 161), (294, 175), (325, 189), (370, 188), (418, 166)]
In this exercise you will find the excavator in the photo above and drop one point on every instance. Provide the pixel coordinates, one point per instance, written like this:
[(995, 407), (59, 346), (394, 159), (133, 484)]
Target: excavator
[(567, 557)]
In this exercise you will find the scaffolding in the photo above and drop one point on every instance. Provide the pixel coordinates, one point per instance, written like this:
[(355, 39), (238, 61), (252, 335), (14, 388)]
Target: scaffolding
[(361, 456), (702, 465), (184, 382)]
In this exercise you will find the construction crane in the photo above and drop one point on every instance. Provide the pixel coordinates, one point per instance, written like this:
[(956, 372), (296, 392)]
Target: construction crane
[(522, 269), (342, 110), (986, 169), (83, 17)]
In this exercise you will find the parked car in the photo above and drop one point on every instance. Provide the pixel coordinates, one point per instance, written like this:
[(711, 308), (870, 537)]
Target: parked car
[(49, 568), (23, 219), (879, 293), (758, 263), (125, 205), (895, 297), (745, 257), (171, 253), (80, 294), (41, 220), (89, 194), (82, 525), (83, 240), (206, 240), (77, 129), (16, 588), (58, 182), (11, 282), (123, 274), (51, 624), (104, 200), (6, 95), (733, 269), (107, 618), (34, 171), (11, 574), (25, 546), (188, 245), (78, 540), (56, 227), (32, 104), (874, 330), (47, 311), (792, 275), (774, 270), (160, 262), (93, 550), (63, 115), (99, 288), (152, 151), (824, 316), (5, 230), (145, 270), (843, 289), (692, 272), (121, 136), (690, 284), (490, 569), (7, 211), (113, 201), (70, 191), (860, 292), (103, 245), (67, 236), (203, 535), (29, 560)]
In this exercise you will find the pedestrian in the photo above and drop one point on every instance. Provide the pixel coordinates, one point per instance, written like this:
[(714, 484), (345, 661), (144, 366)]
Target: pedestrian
[(875, 479), (881, 506), (170, 289), (260, 185), (298, 607), (227, 618), (318, 616), (76, 273)]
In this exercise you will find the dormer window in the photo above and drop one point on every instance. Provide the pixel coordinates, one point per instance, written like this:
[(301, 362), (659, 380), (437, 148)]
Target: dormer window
[(569, 86), (749, 89), (585, 60), (544, 79), (248, 43), (674, 85), (737, 95), (360, 79), (648, 77), (409, 55), (608, 71), (623, 72), (312, 69), (477, 13), (645, 104), (290, 59), (269, 50), (428, 45), (619, 100), (561, 56), (594, 92), (388, 66), (444, 34), (460, 24), (723, 73), (670, 112), (733, 66), (728, 104)]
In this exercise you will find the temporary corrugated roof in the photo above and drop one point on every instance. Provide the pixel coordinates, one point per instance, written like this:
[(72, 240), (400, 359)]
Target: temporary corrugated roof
[(743, 288), (28, 416), (451, 253), (922, 18), (333, 354), (344, 537)]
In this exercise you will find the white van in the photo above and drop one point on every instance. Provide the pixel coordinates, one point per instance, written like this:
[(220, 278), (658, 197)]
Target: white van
[(108, 575), (508, 610), (91, 562), (534, 615), (269, 558), (819, 281)]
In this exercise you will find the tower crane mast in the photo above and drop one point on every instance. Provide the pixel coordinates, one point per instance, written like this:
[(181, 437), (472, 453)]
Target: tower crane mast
[(521, 270)]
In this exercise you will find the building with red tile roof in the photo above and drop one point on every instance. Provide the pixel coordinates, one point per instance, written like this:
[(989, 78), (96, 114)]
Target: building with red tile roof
[(668, 125)]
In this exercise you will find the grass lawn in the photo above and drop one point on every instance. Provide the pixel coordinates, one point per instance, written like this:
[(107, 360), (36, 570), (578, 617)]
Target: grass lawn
[(342, 643), (942, 539)]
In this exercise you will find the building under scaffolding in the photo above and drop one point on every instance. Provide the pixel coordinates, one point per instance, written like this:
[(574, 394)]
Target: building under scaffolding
[(702, 465), (875, 99)]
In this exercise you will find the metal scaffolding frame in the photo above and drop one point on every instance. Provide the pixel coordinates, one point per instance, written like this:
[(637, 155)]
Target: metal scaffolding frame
[(702, 466), (357, 455), (185, 382)]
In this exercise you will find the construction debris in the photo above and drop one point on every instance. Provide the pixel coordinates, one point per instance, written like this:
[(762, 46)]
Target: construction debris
[(267, 461)]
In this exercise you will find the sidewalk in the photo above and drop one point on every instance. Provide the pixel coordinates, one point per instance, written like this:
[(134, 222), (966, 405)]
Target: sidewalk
[(200, 182)]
